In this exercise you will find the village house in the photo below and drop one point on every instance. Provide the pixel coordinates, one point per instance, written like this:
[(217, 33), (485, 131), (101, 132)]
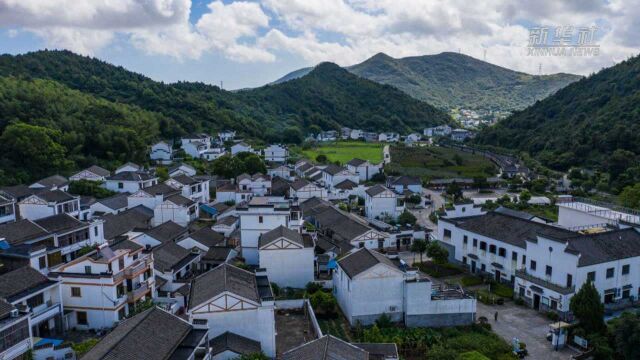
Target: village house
[(330, 347), (226, 135), (181, 169), (345, 133), (356, 134), (261, 215), (442, 130), (167, 204), (281, 171), (47, 242), (230, 193), (241, 147), (258, 184), (161, 153), (129, 166), (276, 153), (54, 182), (7, 209), (101, 288), (461, 134), (130, 181), (127, 224), (48, 203), (403, 185), (334, 174), (15, 328), (233, 346), (226, 225), (363, 168), (111, 205), (344, 190), (301, 190), (191, 188), (389, 137), (166, 232), (175, 265), (230, 299), (406, 298), (92, 173), (140, 337), (287, 256), (33, 293), (382, 203), (213, 153), (325, 136), (203, 239)]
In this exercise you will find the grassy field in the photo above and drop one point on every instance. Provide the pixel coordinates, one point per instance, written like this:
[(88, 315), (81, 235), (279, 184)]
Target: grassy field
[(344, 151), (434, 162)]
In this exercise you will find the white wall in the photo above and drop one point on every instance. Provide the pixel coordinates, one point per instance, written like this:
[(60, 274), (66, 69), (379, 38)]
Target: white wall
[(288, 267)]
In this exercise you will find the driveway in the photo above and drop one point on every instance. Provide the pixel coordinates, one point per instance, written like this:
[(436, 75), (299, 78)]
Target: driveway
[(527, 325)]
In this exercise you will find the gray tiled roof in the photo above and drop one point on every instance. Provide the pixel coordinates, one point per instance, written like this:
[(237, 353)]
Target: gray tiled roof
[(509, 229), (160, 189), (60, 223), (362, 260), (607, 246), (18, 192), (356, 162), (327, 347), (170, 256), (115, 202), (180, 200), (21, 231), (406, 180), (375, 190), (227, 220), (280, 232), (299, 184), (21, 282), (341, 224), (53, 180), (185, 179), (223, 278), (5, 308), (217, 254), (54, 196), (98, 170), (135, 218), (346, 185), (131, 176), (207, 237), (151, 335), (229, 341), (333, 169), (167, 231)]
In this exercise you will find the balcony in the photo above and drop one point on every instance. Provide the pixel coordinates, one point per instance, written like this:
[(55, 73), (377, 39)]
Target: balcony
[(136, 268), (544, 283), (44, 312), (140, 291)]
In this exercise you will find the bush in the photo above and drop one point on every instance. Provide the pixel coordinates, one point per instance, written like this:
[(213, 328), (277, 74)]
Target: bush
[(324, 304), (84, 347), (502, 290), (384, 321), (553, 316), (470, 280), (312, 288)]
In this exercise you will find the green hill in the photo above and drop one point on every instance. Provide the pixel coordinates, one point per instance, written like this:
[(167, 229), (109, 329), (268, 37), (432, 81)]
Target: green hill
[(450, 80), (594, 123)]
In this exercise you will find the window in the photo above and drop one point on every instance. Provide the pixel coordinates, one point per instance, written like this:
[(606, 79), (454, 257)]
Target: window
[(569, 280), (492, 249), (81, 318), (502, 252), (95, 231), (75, 292), (475, 242), (121, 263), (447, 234), (87, 269), (465, 240), (514, 256), (42, 262), (548, 271), (120, 185), (35, 301), (625, 269), (483, 246), (610, 272), (591, 276), (464, 260), (524, 259), (533, 265), (260, 219)]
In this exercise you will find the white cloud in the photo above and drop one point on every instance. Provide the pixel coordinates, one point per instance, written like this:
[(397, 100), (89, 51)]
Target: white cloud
[(343, 31)]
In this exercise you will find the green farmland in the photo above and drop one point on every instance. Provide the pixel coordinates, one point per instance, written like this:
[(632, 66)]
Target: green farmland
[(343, 151)]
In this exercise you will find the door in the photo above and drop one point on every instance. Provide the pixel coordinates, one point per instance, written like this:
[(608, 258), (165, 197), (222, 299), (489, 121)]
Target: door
[(536, 301), (473, 267), (498, 275)]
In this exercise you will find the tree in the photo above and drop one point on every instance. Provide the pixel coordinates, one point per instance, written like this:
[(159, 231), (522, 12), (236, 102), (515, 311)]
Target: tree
[(458, 159), (437, 253), (630, 196), (480, 182), (321, 158), (588, 309), (454, 191), (89, 188), (292, 135), (419, 246), (253, 164), (407, 218), (323, 303), (626, 335), (525, 196)]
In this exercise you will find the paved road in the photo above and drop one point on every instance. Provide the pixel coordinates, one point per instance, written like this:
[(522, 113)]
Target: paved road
[(529, 326), (386, 154)]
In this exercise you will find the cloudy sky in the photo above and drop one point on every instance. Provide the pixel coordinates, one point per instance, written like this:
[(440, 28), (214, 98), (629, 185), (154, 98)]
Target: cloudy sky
[(249, 43)]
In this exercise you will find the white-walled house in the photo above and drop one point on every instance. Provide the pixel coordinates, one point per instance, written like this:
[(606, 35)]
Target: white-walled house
[(287, 256), (258, 184), (53, 182), (360, 276), (100, 288), (231, 193), (581, 213), (282, 171), (334, 174), (380, 203), (128, 167), (111, 205), (261, 215), (194, 189), (167, 204), (15, 326), (363, 168), (302, 190), (7, 209), (130, 181), (27, 289), (226, 135), (241, 147), (48, 203), (276, 153), (161, 153), (403, 184), (230, 299), (181, 169), (389, 137), (92, 173)]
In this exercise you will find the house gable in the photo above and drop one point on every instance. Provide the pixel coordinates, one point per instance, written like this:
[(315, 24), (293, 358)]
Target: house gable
[(281, 243), (225, 302)]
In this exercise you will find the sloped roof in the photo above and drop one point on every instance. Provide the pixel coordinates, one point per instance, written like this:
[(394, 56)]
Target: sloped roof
[(160, 189), (166, 232), (207, 237), (223, 278), (51, 181), (281, 232), (607, 246), (153, 334), (115, 202), (180, 200), (131, 176), (171, 256), (361, 260), (22, 282), (185, 179), (299, 184), (59, 223), (346, 185), (54, 196), (333, 169), (327, 347), (375, 190), (356, 162), (406, 180), (135, 218), (20, 231), (229, 341), (95, 169)]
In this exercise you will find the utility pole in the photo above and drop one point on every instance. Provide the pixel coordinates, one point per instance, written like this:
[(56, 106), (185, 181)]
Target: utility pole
[(221, 85), (485, 54), (540, 69)]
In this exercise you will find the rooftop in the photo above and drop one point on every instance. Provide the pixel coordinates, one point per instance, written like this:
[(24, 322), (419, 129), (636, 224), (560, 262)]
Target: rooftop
[(21, 282), (361, 260), (166, 232), (224, 278), (327, 347)]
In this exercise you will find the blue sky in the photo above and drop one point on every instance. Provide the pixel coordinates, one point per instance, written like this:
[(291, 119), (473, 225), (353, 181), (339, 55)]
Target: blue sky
[(250, 43)]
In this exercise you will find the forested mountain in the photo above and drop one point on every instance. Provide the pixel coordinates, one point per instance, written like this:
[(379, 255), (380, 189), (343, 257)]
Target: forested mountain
[(339, 97), (86, 110), (450, 80), (594, 122)]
